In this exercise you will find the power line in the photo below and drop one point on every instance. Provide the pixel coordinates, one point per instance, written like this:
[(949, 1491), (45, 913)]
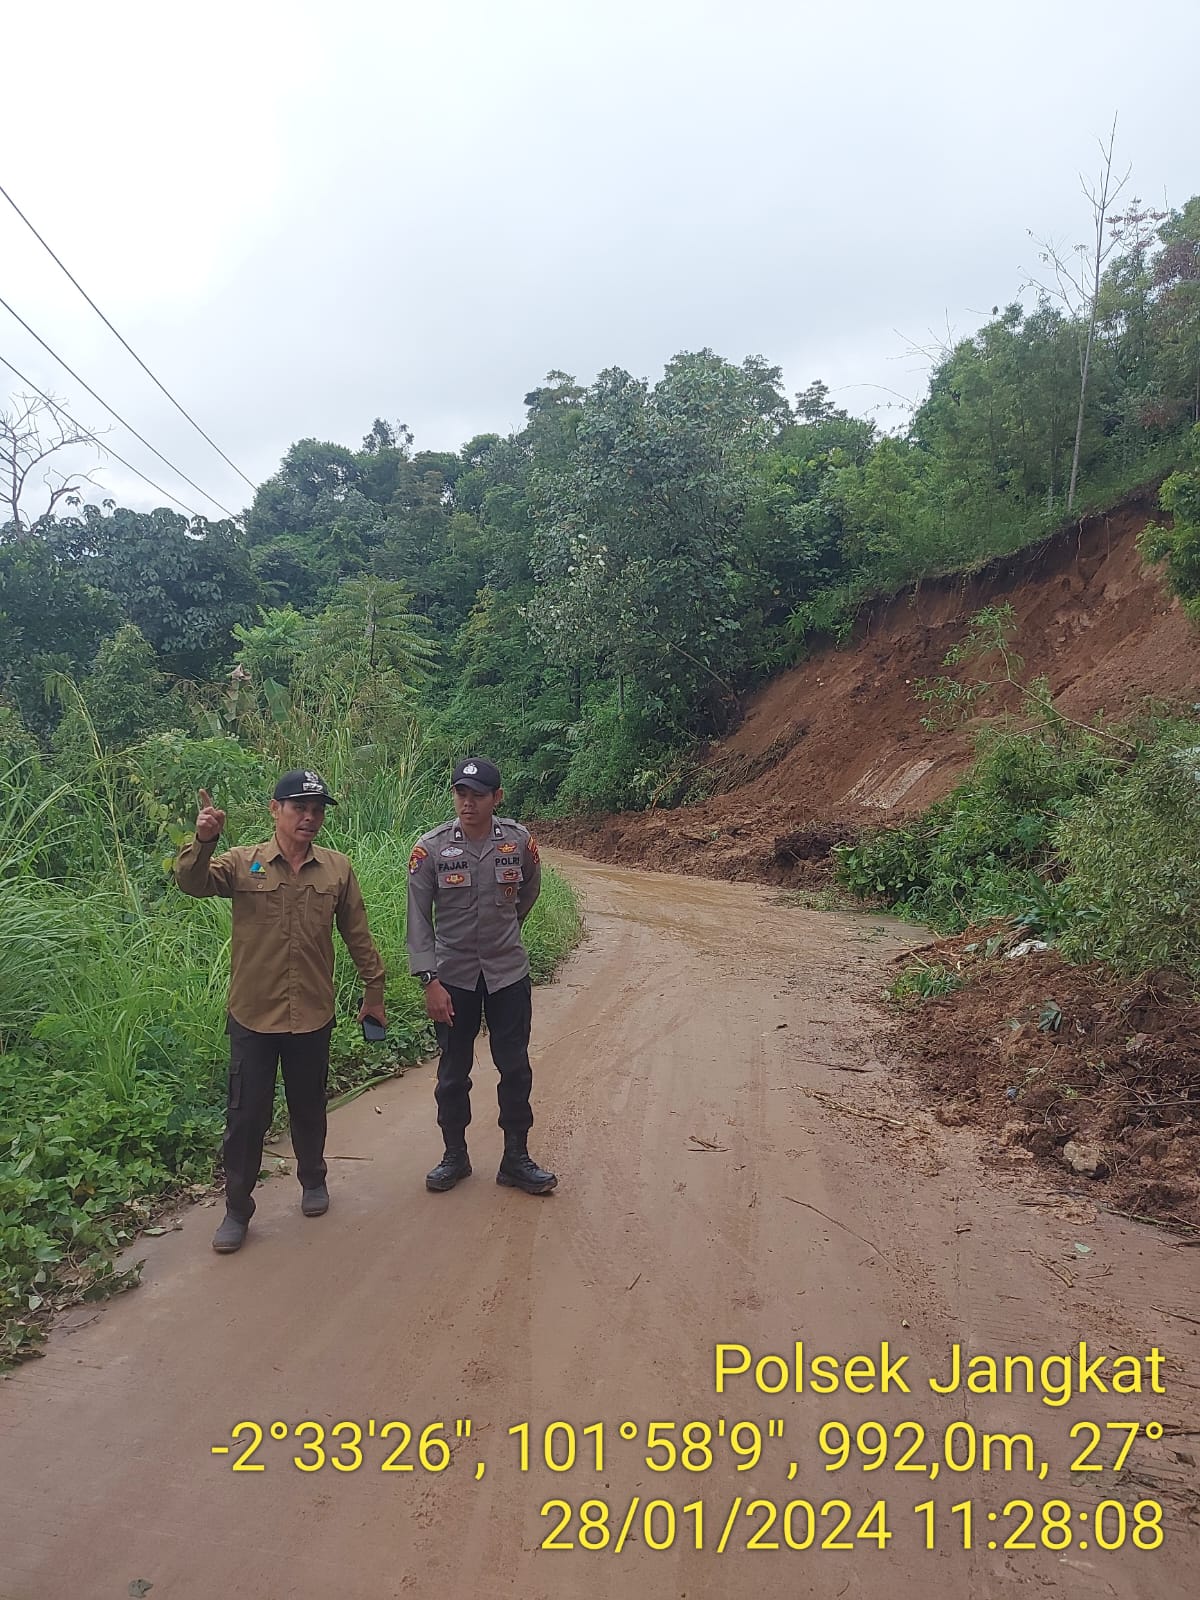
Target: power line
[(113, 412), (123, 340), (157, 487)]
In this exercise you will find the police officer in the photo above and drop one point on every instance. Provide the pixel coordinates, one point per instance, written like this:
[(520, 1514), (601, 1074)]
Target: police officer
[(471, 884), (287, 894)]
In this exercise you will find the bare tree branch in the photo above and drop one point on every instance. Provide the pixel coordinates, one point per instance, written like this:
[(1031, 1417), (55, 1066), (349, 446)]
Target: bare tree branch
[(32, 430), (1079, 288)]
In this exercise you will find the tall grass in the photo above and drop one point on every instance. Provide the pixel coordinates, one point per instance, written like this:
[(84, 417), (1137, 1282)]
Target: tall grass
[(113, 985)]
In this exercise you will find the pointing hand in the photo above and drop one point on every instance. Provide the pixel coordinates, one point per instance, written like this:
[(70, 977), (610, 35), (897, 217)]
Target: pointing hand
[(210, 819)]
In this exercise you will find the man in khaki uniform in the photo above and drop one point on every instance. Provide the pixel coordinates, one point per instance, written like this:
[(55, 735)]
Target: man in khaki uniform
[(471, 884), (287, 894)]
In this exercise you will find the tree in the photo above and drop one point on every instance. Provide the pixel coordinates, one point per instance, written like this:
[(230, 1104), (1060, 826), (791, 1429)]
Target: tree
[(51, 620), (1175, 317), (384, 435), (637, 545), (32, 430), (126, 697), (275, 646), (183, 584), (367, 633), (1078, 284)]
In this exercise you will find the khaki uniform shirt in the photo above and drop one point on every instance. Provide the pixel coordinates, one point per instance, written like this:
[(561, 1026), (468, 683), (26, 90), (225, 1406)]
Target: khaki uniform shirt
[(466, 902), (281, 978)]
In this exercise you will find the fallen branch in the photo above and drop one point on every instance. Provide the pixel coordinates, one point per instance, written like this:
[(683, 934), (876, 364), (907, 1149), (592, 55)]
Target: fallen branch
[(852, 1111), (869, 1242), (1063, 1277), (1156, 1222), (912, 950), (371, 1083), (1180, 1315)]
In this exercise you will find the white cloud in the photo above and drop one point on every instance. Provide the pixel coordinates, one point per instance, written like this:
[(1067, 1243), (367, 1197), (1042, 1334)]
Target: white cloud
[(304, 216)]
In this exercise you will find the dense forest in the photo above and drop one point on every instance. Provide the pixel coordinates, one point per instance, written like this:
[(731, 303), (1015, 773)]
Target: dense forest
[(587, 600)]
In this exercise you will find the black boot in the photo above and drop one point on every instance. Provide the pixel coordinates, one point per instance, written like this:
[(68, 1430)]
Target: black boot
[(453, 1166), (518, 1170)]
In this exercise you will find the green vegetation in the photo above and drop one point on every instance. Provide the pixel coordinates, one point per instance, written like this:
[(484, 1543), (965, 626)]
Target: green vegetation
[(113, 985), (924, 980), (1085, 836)]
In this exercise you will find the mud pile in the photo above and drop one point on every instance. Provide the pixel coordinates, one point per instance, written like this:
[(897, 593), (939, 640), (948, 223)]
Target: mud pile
[(1101, 1079)]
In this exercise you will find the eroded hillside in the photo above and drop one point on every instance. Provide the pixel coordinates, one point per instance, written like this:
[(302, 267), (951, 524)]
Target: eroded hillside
[(838, 743)]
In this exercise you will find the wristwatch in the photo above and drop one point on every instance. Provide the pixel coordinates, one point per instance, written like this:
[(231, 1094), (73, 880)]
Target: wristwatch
[(426, 978)]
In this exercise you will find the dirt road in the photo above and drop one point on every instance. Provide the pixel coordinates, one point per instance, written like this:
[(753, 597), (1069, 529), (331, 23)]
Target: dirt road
[(707, 1195)]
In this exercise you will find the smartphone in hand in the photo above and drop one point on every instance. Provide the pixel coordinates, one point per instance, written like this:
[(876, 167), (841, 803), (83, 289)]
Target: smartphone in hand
[(374, 1031)]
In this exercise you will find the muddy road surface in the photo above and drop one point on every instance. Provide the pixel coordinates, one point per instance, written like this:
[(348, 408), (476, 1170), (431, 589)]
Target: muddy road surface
[(740, 1165)]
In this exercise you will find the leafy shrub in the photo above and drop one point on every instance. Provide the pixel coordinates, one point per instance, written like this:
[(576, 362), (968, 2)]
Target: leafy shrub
[(987, 849), (924, 981), (1132, 858), (1179, 545), (619, 761)]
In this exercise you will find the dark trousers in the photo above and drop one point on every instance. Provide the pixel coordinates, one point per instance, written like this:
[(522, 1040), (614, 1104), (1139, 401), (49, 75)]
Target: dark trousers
[(509, 1013), (253, 1058)]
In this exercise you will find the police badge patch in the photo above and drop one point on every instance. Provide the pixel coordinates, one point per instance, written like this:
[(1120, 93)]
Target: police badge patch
[(419, 854)]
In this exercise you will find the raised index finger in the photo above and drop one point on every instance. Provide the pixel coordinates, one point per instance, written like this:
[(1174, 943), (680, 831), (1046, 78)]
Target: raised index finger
[(205, 800)]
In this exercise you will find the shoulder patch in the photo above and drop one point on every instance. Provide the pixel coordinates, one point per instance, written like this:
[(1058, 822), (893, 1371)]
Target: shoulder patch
[(531, 850), (419, 854)]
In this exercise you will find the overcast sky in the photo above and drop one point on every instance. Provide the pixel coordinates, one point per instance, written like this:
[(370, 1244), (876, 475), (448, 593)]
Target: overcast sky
[(304, 216)]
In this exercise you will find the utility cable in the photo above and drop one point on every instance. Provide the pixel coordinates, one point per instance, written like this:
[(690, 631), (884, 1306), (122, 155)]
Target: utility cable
[(123, 340), (157, 487), (113, 412)]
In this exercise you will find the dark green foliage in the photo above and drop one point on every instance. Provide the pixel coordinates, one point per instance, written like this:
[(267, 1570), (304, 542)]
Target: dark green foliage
[(1179, 544), (986, 850), (1090, 843), (51, 620), (1131, 854), (127, 696), (183, 587), (619, 762)]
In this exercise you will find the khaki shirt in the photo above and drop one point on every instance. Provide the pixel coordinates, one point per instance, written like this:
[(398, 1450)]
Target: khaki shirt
[(281, 978), (466, 902)]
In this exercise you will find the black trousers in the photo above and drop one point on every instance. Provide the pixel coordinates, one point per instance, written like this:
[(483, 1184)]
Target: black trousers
[(509, 1013), (253, 1058)]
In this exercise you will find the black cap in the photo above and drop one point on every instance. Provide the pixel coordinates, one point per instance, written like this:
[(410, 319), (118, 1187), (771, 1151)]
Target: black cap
[(303, 786), (478, 774)]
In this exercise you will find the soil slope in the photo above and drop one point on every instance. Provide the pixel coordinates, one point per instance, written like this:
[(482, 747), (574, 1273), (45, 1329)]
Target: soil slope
[(837, 744)]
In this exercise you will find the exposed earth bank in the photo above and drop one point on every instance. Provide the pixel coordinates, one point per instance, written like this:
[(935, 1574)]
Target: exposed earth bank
[(1098, 1081)]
